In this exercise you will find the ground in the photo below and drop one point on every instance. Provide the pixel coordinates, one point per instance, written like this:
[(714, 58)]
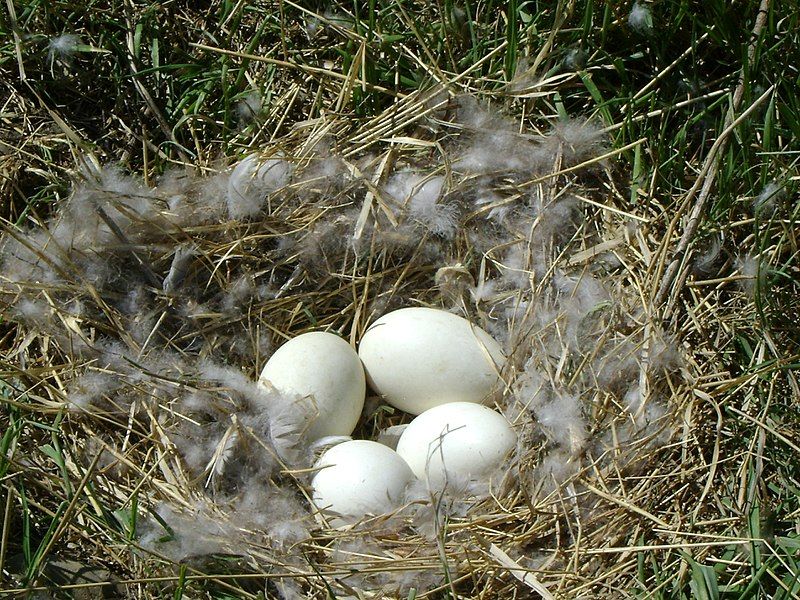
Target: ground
[(660, 140)]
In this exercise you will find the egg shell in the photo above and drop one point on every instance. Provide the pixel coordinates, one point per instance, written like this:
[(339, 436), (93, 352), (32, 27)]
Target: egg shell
[(325, 368), (359, 478), (456, 442), (418, 358)]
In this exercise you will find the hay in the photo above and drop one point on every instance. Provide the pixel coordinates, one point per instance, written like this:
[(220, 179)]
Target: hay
[(143, 311), (145, 314)]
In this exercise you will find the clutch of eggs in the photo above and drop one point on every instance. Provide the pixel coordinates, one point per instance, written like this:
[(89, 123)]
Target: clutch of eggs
[(424, 361), (418, 358)]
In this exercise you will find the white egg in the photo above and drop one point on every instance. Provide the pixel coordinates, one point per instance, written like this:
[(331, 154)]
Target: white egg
[(325, 368), (418, 358), (456, 442), (359, 478)]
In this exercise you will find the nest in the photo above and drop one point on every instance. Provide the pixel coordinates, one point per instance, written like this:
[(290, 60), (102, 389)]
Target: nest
[(143, 315)]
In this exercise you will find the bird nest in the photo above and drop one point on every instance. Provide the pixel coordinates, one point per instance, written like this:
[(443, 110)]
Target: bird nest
[(142, 316)]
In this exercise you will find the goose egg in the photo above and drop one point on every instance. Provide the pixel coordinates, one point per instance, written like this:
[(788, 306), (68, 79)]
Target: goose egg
[(359, 478), (418, 358), (456, 442), (325, 368)]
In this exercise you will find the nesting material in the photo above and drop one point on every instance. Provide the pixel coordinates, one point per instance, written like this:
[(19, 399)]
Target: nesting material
[(150, 311), (251, 181)]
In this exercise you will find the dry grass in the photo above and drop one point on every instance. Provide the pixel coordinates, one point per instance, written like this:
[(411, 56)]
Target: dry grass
[(687, 488)]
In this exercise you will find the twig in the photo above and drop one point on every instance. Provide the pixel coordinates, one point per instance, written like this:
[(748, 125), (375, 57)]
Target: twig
[(706, 178), (767, 428), (162, 122), (299, 67)]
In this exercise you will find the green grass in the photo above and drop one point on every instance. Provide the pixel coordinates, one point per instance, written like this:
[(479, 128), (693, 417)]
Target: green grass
[(139, 91)]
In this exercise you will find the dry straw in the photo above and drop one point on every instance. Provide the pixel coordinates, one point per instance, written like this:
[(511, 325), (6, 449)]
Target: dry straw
[(143, 312), (147, 313)]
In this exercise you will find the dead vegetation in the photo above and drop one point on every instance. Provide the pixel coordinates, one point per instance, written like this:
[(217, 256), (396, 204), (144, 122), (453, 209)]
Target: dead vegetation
[(142, 303)]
